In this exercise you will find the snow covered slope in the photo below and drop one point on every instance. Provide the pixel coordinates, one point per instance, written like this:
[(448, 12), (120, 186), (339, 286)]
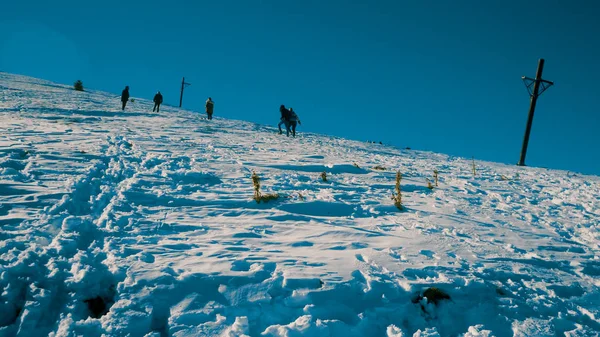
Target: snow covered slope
[(142, 224)]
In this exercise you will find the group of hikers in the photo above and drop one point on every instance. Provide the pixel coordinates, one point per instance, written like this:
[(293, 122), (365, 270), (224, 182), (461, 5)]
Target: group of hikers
[(158, 99), (289, 118)]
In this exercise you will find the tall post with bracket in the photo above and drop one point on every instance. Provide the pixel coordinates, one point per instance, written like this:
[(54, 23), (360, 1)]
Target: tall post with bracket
[(183, 85), (536, 82)]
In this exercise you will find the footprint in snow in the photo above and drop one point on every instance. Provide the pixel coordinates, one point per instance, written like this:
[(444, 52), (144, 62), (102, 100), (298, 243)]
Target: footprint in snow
[(361, 258), (302, 244), (147, 257), (430, 254)]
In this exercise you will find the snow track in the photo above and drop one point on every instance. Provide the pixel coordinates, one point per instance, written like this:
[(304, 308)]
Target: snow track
[(65, 263), (139, 224)]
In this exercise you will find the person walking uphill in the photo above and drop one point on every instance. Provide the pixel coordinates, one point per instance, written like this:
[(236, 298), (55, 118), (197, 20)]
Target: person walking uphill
[(158, 99), (125, 96), (285, 117), (293, 120), (209, 107)]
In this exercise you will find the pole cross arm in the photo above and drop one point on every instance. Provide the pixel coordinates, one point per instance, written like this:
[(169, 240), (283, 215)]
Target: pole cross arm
[(545, 85), (530, 82)]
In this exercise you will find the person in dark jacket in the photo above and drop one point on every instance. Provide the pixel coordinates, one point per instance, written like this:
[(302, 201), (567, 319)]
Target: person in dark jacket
[(210, 105), (292, 121), (285, 116), (158, 99), (125, 96)]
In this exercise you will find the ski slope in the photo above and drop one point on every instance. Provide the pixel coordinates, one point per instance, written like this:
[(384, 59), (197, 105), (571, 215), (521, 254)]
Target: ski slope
[(143, 224)]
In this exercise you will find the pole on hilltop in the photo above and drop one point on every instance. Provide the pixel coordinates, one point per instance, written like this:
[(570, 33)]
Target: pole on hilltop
[(183, 85), (536, 82)]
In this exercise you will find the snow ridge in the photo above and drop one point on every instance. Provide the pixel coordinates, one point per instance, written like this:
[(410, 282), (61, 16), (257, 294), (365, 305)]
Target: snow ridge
[(142, 224)]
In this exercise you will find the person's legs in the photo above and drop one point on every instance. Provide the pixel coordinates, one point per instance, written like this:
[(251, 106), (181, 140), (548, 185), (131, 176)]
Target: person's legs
[(154, 109), (158, 107), (124, 103), (279, 126), (294, 129)]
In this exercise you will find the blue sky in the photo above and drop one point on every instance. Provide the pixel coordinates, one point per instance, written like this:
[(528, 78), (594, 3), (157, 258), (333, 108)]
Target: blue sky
[(441, 75)]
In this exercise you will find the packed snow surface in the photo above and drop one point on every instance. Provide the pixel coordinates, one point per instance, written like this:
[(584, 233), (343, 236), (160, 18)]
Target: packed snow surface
[(143, 224)]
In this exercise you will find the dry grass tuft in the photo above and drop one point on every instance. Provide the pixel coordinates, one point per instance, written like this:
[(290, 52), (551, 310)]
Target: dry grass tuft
[(397, 197), (258, 196)]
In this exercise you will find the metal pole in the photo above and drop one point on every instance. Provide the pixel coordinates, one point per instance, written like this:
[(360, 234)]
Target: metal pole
[(181, 96), (534, 96)]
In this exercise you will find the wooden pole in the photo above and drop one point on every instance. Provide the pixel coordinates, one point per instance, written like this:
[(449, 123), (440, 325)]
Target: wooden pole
[(534, 97), (181, 96)]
